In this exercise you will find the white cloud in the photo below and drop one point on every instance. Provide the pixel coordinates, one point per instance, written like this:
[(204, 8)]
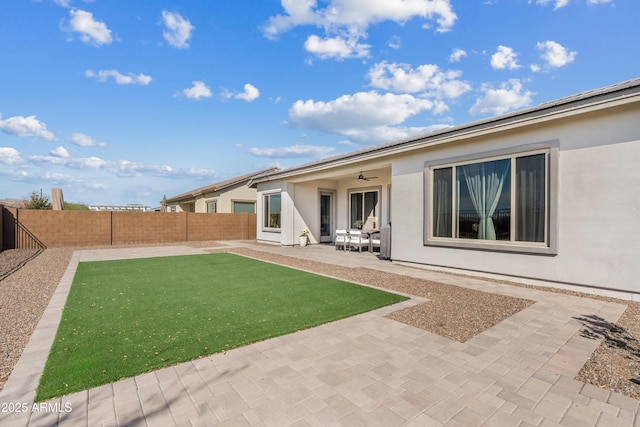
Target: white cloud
[(178, 30), (365, 116), (60, 152), (336, 47), (10, 156), (126, 168), (508, 96), (121, 79), (345, 22), (395, 42), (197, 91), (292, 152), (391, 133), (83, 140), (72, 162), (251, 93), (558, 4), (359, 14), (67, 3), (121, 168), (505, 57), (26, 126), (91, 31), (555, 54), (457, 55), (427, 79)]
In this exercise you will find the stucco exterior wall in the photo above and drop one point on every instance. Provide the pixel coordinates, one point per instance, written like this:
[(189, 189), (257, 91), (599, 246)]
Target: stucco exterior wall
[(270, 235), (224, 199), (598, 193), (301, 206)]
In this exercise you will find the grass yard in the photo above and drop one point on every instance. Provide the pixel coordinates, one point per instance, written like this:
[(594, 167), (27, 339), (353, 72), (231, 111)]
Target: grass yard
[(126, 317)]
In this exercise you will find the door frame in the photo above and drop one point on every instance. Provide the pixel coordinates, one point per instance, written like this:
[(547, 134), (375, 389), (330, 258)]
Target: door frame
[(332, 215)]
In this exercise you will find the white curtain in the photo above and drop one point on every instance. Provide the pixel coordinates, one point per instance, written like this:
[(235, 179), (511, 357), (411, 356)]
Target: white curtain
[(442, 202), (530, 201), (485, 181)]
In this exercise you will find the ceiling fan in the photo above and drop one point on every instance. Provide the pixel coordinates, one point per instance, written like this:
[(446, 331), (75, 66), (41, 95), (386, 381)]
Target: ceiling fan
[(362, 177)]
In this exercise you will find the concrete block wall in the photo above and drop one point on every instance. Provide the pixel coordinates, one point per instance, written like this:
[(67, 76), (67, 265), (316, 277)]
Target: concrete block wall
[(148, 227), (2, 233), (8, 227), (226, 226), (67, 228), (90, 228)]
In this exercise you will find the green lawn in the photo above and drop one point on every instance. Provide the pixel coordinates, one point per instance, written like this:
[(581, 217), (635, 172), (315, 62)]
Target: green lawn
[(126, 317)]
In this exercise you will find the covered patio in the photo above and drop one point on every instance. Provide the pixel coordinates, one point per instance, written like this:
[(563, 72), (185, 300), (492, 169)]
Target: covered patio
[(345, 197)]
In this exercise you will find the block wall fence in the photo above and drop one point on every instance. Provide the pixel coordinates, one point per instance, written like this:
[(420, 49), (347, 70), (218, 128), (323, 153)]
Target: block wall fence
[(20, 227)]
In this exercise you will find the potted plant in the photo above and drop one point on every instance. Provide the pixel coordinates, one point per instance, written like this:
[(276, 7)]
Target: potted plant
[(304, 237), (359, 223)]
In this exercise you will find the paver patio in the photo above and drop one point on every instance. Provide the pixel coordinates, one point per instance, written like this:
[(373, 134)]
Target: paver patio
[(363, 370)]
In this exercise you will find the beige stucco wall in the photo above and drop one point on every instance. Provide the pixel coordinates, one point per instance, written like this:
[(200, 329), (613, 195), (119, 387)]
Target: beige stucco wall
[(224, 199)]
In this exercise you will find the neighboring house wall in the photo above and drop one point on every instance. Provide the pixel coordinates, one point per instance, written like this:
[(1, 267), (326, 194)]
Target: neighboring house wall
[(230, 196), (225, 199)]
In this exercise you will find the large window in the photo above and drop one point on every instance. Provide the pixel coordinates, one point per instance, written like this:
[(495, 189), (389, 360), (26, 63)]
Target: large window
[(239, 207), (498, 200), (363, 208), (272, 209)]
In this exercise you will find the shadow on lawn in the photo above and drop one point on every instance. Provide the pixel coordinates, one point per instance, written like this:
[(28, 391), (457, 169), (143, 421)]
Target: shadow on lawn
[(595, 327)]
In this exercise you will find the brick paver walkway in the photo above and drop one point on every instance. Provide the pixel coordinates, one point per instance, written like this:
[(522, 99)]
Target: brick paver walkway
[(366, 370)]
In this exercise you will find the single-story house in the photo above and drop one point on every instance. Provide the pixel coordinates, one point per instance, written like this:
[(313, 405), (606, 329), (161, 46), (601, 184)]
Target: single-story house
[(549, 193), (229, 196)]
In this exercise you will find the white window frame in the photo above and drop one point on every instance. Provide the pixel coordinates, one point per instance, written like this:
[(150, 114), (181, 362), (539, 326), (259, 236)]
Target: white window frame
[(378, 206), (267, 213), (550, 244), (214, 203)]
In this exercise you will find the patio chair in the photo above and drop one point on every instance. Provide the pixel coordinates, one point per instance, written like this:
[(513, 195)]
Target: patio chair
[(342, 239), (375, 240), (358, 240)]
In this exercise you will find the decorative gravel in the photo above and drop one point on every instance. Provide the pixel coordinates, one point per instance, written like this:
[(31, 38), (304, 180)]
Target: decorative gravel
[(454, 312), (23, 297)]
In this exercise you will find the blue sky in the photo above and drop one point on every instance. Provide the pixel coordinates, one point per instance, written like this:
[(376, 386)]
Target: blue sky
[(120, 102)]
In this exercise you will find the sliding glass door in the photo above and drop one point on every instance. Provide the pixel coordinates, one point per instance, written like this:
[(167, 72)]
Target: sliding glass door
[(363, 209)]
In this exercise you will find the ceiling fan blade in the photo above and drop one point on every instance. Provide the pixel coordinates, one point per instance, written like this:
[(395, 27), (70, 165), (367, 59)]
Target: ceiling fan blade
[(362, 177)]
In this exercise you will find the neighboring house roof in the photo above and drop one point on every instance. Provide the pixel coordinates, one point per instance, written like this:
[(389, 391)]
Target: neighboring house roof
[(620, 92), (218, 186)]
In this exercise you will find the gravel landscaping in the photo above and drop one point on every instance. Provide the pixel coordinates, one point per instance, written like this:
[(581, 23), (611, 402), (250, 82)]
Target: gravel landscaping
[(453, 312)]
